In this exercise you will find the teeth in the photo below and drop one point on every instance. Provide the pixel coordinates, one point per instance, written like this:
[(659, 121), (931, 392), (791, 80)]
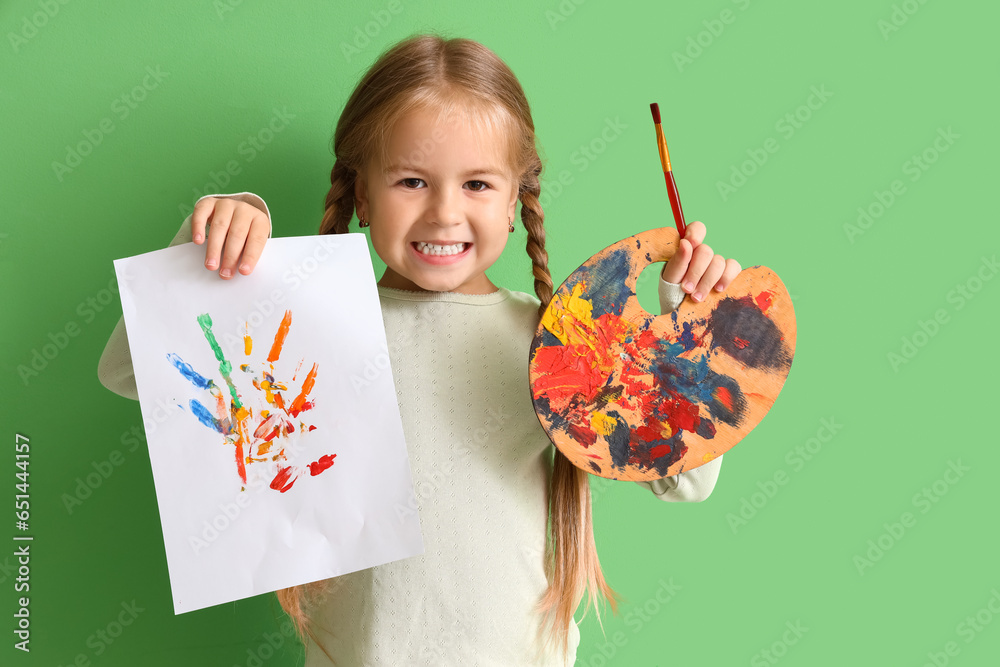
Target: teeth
[(431, 249)]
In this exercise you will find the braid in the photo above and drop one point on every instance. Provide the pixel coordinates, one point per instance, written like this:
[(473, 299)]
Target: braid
[(572, 566), (339, 200), (533, 218)]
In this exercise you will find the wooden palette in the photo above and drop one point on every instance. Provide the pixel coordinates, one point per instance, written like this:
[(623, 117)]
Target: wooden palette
[(628, 395)]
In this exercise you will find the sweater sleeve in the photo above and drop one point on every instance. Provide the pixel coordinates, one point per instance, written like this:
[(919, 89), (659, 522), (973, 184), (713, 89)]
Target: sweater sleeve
[(115, 367), (697, 484)]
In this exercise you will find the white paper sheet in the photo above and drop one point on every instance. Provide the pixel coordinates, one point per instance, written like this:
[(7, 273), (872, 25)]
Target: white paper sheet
[(227, 538)]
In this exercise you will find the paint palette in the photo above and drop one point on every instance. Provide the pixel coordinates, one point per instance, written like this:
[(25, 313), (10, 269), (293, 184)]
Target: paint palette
[(628, 395)]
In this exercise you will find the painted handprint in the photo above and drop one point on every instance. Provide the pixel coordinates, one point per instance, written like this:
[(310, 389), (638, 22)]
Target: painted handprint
[(258, 434)]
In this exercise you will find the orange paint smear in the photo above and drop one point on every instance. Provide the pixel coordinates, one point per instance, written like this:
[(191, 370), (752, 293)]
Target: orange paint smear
[(279, 338), (300, 403), (247, 341)]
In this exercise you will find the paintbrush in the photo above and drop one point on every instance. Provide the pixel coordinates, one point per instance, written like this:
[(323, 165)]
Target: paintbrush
[(668, 174)]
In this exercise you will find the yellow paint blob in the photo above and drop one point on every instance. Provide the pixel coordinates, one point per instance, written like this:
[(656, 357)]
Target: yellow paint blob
[(571, 319), (602, 423)]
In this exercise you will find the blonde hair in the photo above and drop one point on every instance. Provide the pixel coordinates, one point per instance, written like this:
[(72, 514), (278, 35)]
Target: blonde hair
[(428, 71)]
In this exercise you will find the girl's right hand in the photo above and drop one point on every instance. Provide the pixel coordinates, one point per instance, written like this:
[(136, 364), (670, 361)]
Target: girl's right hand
[(237, 232)]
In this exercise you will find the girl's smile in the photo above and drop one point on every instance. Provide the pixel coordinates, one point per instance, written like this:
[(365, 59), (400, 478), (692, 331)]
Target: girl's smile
[(440, 253), (441, 205)]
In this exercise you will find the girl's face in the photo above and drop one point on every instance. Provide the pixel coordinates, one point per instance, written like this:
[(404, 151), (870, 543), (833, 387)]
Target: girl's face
[(439, 208)]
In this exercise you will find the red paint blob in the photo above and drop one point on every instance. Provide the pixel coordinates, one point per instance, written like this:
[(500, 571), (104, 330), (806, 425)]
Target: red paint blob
[(660, 450), (723, 396), (582, 434), (281, 481), (739, 342), (764, 300), (324, 462)]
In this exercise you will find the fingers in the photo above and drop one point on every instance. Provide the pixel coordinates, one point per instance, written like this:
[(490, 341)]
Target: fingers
[(675, 269), (199, 218), (236, 230), (696, 268), (713, 272), (255, 243), (678, 264), (699, 264), (732, 270), (695, 233), (221, 218)]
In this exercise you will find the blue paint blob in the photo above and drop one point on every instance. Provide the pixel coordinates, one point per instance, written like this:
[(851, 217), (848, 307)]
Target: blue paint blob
[(189, 373), (687, 337), (719, 410), (706, 429), (542, 407), (618, 441), (606, 282), (549, 339), (696, 382), (760, 345), (205, 417)]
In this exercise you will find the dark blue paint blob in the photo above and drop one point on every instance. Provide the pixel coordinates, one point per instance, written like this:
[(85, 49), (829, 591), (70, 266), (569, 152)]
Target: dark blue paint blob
[(606, 394), (687, 338), (606, 282), (719, 410), (760, 344), (696, 382), (188, 372), (549, 339), (618, 441), (706, 429), (642, 450)]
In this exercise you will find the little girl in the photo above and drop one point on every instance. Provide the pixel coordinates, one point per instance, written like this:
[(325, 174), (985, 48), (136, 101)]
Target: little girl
[(434, 149)]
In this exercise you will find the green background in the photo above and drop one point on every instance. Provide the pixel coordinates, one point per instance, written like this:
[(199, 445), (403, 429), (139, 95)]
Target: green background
[(858, 296)]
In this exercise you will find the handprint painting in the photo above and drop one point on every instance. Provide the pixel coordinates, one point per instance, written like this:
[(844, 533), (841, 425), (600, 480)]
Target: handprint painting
[(277, 455), (259, 435)]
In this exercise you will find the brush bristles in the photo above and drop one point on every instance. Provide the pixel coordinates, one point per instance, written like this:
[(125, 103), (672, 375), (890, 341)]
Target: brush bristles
[(655, 108)]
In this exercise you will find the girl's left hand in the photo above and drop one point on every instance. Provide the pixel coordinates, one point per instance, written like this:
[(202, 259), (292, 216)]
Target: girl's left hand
[(697, 268)]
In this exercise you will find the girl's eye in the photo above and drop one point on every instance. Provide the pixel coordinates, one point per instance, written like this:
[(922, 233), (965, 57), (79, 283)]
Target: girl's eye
[(477, 186), (412, 183)]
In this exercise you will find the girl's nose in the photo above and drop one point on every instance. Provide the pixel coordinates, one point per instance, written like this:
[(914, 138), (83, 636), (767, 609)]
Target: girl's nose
[(446, 208)]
